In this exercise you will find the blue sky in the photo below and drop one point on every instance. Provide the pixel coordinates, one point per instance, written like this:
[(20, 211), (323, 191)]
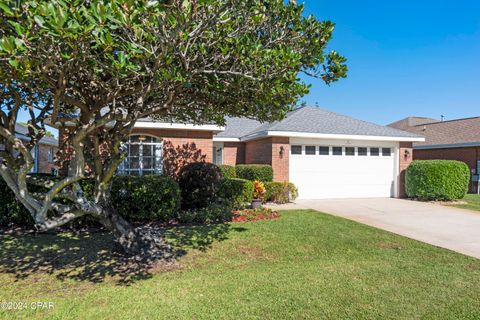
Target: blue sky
[(405, 57)]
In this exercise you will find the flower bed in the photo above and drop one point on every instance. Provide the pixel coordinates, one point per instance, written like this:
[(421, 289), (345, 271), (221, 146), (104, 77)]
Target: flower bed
[(249, 215)]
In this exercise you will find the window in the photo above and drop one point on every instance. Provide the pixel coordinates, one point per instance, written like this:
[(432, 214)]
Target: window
[(34, 153), (324, 151), (144, 156), (51, 155), (362, 151), (349, 151), (386, 152), (296, 149), (218, 153), (310, 149), (374, 152), (337, 151)]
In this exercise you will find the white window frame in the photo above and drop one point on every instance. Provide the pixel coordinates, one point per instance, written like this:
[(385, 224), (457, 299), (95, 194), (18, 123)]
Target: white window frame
[(157, 156)]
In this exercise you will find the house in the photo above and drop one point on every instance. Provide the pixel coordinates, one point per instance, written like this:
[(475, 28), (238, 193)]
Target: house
[(43, 153), (327, 155), (457, 139)]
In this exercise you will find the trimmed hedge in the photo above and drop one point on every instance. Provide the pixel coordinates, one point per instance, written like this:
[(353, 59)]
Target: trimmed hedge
[(437, 180), (199, 183), (228, 171), (147, 198), (261, 172), (280, 192), (239, 192), (137, 199)]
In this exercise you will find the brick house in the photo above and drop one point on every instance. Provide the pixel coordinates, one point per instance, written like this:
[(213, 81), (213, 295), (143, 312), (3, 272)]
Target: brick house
[(43, 154), (457, 139), (325, 154)]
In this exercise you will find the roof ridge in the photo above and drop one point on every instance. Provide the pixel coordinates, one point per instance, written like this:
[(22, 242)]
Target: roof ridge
[(444, 121)]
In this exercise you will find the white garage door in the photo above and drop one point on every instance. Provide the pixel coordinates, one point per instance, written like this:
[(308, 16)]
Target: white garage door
[(329, 170)]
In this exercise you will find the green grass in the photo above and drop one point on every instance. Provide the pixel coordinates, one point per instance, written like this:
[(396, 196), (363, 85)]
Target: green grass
[(472, 202), (305, 265)]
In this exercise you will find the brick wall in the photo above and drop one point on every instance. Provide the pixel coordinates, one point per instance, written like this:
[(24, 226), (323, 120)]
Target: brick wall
[(405, 158), (233, 153), (202, 140), (273, 151), (280, 158), (469, 155), (259, 151)]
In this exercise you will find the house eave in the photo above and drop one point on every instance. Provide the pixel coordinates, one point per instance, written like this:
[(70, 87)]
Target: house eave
[(448, 146), (330, 136), (178, 126)]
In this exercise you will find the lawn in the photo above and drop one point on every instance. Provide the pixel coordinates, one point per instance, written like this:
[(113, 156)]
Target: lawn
[(472, 202), (304, 265)]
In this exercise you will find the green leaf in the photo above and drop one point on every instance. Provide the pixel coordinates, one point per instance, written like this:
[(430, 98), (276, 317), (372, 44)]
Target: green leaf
[(13, 63), (5, 8), (39, 20)]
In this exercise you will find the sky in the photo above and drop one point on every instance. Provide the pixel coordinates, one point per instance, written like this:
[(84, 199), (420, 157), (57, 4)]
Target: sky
[(405, 58)]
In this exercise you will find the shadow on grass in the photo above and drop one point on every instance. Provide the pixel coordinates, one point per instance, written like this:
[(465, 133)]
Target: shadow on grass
[(91, 256)]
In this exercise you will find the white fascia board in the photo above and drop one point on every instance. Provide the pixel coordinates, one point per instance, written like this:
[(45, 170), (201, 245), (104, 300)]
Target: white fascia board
[(341, 136), (225, 139), (167, 125)]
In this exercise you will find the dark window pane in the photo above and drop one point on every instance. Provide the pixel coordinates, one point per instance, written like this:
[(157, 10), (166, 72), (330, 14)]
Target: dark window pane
[(310, 149), (337, 151), (386, 152), (296, 149), (374, 152), (350, 151), (133, 163), (147, 150), (134, 150), (147, 163), (134, 138), (362, 151), (325, 151)]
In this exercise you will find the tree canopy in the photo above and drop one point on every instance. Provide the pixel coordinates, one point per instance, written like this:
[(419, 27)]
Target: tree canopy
[(98, 66)]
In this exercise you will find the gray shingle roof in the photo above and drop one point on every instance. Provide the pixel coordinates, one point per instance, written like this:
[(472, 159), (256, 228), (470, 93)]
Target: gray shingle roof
[(238, 127), (22, 131), (313, 120)]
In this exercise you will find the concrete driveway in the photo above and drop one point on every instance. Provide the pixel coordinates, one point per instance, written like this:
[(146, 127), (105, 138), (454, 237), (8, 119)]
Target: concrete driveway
[(451, 228)]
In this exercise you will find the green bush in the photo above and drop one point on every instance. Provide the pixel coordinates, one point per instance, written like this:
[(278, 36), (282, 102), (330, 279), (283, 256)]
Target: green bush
[(261, 172), (280, 192), (137, 199), (199, 183), (147, 198), (437, 180), (239, 192), (228, 171), (11, 210), (216, 212)]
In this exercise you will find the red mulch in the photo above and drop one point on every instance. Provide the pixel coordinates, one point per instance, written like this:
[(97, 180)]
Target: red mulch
[(249, 215)]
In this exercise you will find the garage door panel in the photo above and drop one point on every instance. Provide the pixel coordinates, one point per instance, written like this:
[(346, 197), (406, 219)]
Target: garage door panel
[(320, 176)]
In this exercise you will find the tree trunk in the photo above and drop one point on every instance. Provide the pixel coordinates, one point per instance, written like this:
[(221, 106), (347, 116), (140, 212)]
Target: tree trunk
[(144, 244)]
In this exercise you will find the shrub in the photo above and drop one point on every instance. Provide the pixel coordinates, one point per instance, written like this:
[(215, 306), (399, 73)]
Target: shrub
[(437, 179), (11, 210), (280, 192), (261, 172), (137, 199), (147, 198), (213, 213), (238, 192), (199, 183), (228, 171)]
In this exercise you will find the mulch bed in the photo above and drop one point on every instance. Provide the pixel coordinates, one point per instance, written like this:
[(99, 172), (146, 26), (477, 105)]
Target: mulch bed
[(250, 215)]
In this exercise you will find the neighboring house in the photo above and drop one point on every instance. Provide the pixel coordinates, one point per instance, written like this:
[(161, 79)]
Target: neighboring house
[(43, 154), (325, 154), (457, 139)]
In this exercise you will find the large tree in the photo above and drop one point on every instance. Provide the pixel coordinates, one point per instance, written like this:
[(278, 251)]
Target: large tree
[(97, 66)]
